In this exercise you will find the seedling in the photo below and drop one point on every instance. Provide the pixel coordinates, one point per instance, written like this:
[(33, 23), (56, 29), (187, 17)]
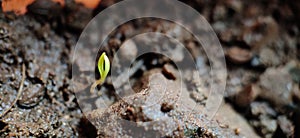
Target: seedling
[(103, 67)]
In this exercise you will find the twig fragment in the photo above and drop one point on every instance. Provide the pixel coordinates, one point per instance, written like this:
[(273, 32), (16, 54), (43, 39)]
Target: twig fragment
[(19, 92)]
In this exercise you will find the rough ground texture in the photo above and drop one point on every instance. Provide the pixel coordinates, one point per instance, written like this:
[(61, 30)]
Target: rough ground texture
[(261, 41)]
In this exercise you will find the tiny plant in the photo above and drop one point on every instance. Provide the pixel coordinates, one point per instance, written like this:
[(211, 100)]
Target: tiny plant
[(103, 67)]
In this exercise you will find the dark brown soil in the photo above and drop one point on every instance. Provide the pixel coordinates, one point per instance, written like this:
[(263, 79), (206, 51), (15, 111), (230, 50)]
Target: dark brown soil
[(261, 41)]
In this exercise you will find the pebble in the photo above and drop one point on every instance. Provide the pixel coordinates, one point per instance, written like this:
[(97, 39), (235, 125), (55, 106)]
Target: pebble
[(170, 72), (268, 57), (238, 55), (262, 108), (260, 32), (268, 125), (31, 95), (129, 50), (285, 125), (247, 95), (276, 86)]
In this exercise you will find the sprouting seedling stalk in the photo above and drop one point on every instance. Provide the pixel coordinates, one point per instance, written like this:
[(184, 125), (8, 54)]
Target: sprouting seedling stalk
[(103, 67)]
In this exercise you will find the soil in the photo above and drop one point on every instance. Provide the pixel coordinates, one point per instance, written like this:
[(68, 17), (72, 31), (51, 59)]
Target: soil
[(261, 41)]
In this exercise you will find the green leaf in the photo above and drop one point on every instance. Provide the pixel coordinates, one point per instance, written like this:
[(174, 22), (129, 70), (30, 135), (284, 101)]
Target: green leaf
[(103, 66)]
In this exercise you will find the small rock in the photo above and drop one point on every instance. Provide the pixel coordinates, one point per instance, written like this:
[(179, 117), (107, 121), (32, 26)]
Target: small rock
[(170, 72), (198, 97), (276, 86), (5, 30), (177, 54), (165, 107), (285, 125), (32, 69), (237, 131), (255, 61), (262, 108), (127, 30), (268, 125), (42, 74), (238, 55), (219, 12), (236, 5), (191, 46), (227, 35), (295, 73), (260, 32), (252, 11), (129, 50), (247, 95), (268, 57), (31, 95), (296, 92), (114, 43)]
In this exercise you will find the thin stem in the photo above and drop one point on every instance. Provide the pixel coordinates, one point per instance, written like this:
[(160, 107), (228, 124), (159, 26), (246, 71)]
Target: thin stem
[(95, 84), (19, 91)]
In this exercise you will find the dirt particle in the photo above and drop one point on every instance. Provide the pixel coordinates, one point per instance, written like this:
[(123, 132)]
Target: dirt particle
[(165, 107), (237, 131)]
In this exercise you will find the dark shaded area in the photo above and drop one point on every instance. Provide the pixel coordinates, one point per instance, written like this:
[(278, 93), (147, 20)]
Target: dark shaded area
[(86, 129)]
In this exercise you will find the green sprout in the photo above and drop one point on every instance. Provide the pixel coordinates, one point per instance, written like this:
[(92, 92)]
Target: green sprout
[(103, 67)]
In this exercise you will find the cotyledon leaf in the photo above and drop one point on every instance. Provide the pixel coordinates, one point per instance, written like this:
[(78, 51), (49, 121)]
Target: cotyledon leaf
[(103, 68)]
